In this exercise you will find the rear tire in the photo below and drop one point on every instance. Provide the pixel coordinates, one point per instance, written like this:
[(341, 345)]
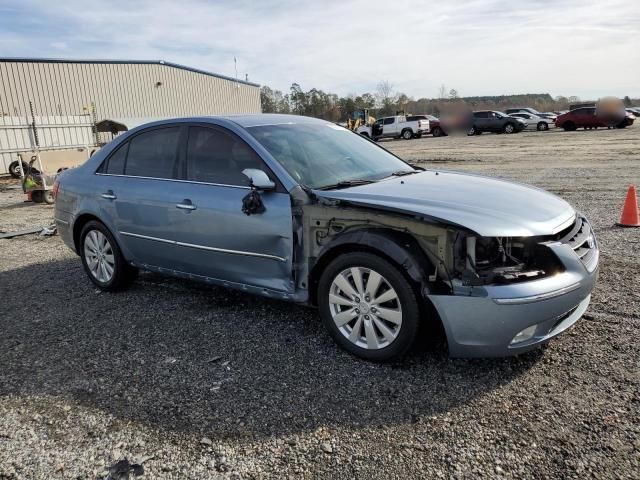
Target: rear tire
[(102, 259), (48, 198), (407, 134), (542, 126), (347, 294), (473, 131)]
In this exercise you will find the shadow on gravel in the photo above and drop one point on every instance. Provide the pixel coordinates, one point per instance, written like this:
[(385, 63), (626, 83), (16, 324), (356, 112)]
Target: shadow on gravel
[(181, 356)]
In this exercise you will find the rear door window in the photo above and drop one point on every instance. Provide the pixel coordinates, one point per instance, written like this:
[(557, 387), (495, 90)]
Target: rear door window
[(480, 115), (153, 153), (216, 155)]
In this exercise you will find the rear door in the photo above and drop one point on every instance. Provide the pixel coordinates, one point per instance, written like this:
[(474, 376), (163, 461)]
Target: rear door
[(584, 117), (138, 194), (216, 239)]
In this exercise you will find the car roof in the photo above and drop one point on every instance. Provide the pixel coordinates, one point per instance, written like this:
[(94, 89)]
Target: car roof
[(254, 120), (244, 120)]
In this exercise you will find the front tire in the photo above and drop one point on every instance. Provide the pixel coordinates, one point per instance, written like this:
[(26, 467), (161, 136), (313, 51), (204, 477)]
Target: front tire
[(542, 126), (509, 128), (102, 259), (569, 126), (437, 132), (368, 306), (37, 196)]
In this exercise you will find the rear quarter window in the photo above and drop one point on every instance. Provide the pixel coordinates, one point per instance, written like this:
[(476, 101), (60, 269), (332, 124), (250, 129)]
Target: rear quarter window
[(115, 163)]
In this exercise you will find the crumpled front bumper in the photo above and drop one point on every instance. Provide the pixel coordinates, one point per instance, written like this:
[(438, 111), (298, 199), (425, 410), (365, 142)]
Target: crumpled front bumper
[(484, 326)]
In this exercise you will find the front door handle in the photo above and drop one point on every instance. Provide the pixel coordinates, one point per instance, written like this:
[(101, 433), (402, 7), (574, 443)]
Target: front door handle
[(186, 205), (109, 195)]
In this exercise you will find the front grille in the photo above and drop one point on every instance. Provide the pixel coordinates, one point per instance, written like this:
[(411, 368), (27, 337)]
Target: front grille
[(580, 238)]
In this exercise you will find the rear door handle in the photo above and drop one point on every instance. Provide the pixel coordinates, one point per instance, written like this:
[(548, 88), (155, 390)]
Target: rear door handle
[(109, 195), (186, 205)]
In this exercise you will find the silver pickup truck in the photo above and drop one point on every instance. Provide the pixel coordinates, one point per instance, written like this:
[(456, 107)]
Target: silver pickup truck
[(397, 126)]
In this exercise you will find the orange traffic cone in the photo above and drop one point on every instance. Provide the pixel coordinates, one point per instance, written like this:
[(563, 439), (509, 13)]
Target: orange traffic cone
[(630, 217)]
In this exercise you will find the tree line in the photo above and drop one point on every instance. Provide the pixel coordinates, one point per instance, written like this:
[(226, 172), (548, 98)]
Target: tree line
[(387, 101)]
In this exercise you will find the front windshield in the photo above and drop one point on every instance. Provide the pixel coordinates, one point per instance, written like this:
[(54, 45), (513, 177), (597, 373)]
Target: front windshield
[(322, 155)]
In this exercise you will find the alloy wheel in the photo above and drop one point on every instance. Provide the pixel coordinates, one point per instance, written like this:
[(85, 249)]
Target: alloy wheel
[(99, 256), (365, 308)]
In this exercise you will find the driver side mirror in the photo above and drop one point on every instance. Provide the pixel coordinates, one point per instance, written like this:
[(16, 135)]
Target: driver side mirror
[(258, 179)]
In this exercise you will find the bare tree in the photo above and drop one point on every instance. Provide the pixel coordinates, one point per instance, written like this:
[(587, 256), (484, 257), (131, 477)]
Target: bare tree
[(453, 93), (386, 97), (442, 92)]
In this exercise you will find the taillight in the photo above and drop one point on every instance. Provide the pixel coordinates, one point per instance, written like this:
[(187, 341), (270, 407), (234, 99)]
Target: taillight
[(55, 189)]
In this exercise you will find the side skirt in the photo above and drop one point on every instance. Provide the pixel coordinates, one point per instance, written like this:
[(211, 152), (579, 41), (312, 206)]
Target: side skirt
[(298, 297)]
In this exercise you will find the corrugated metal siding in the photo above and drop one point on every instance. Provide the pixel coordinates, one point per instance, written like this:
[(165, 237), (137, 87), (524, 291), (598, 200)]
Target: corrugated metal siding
[(120, 90)]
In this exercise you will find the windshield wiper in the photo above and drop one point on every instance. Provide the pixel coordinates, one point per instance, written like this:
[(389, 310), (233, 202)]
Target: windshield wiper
[(346, 184), (402, 173)]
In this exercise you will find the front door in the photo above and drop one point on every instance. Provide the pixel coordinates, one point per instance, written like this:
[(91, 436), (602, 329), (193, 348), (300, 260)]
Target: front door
[(216, 239), (389, 127), (480, 121)]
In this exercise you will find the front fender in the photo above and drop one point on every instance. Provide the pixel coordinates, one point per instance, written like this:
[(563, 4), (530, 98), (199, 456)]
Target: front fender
[(400, 247)]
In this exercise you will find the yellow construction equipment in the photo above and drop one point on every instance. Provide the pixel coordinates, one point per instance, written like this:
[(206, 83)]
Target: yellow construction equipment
[(358, 118)]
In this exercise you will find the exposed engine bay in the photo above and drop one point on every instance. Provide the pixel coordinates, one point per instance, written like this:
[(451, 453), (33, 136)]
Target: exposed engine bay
[(452, 258), (499, 260)]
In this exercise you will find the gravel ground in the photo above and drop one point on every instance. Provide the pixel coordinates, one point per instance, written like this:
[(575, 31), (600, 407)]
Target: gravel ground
[(199, 382)]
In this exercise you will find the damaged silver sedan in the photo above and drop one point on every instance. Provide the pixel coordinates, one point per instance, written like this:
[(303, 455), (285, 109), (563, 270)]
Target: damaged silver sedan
[(300, 209)]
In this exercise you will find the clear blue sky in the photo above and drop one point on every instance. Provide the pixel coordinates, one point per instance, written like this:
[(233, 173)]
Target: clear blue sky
[(480, 47)]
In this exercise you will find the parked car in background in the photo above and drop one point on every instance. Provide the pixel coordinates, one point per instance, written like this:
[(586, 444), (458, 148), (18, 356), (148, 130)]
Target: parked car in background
[(397, 126), (496, 122), (589, 118), (635, 111), (434, 124), (301, 210), (533, 121), (548, 115), (630, 118)]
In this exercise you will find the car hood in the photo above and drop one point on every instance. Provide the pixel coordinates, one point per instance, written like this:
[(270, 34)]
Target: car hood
[(490, 207)]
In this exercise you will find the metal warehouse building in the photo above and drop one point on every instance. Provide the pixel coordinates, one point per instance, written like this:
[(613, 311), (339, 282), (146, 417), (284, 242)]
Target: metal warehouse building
[(64, 98)]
